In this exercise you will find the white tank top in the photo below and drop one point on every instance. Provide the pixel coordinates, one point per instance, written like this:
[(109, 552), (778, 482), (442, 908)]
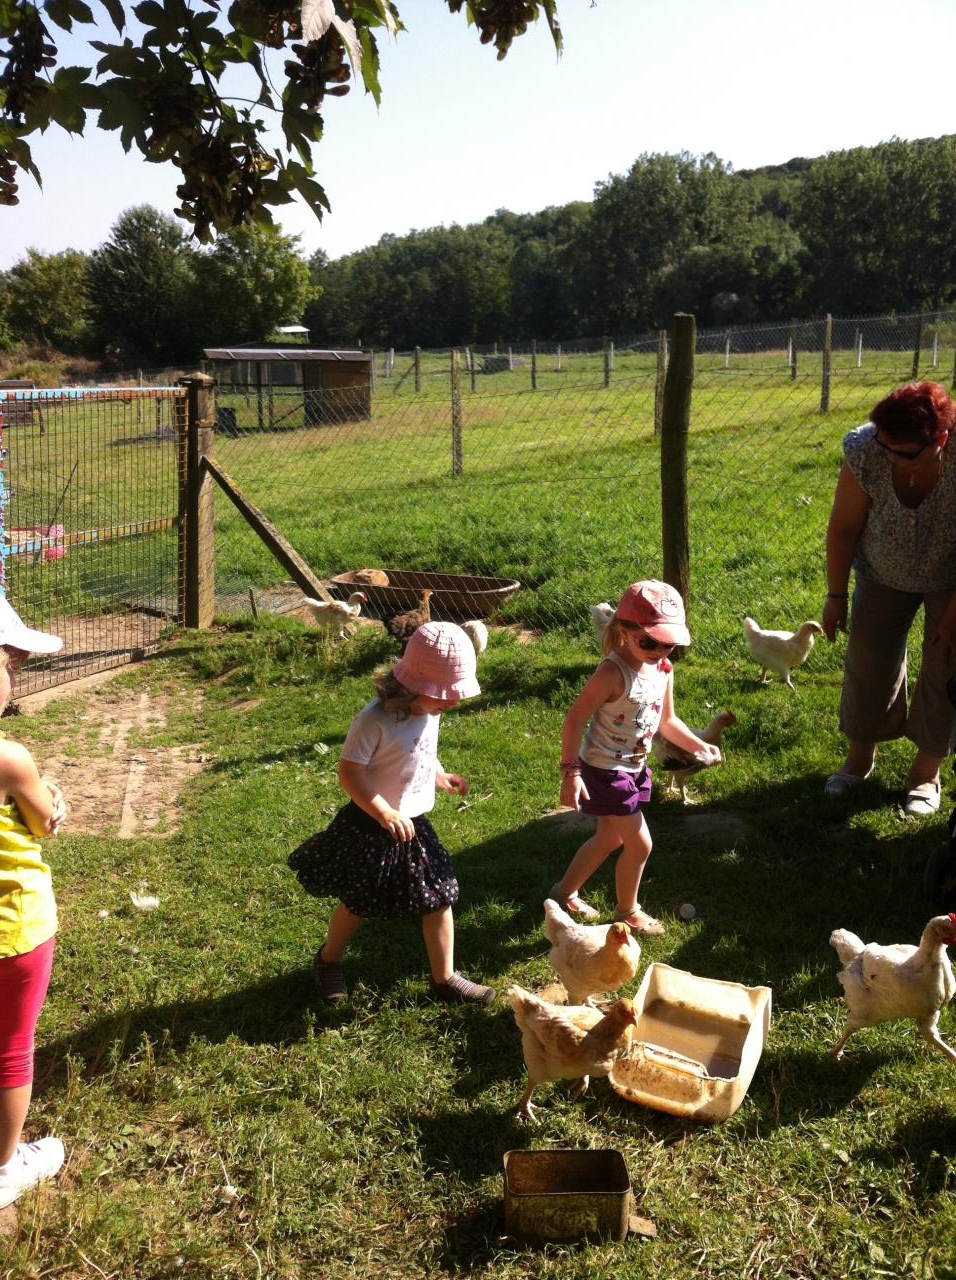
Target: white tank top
[(619, 733)]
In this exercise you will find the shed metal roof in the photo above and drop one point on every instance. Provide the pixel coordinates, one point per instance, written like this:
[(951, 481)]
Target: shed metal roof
[(295, 355)]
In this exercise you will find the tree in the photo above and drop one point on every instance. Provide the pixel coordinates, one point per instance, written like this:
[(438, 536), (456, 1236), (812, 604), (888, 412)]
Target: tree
[(48, 300), (142, 289), (252, 280), (164, 91)]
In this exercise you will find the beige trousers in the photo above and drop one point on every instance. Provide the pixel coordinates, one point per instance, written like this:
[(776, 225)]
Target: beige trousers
[(873, 704)]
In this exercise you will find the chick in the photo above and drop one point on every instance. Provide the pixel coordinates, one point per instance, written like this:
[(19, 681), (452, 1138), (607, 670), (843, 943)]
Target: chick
[(780, 651)]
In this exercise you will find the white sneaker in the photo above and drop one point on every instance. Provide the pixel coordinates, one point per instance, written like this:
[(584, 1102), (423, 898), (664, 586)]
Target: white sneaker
[(32, 1162)]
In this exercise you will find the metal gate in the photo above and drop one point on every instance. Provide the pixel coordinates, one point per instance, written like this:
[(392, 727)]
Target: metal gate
[(90, 508)]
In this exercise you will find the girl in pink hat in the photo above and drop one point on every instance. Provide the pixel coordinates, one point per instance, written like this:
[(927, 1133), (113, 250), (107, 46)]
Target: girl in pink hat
[(381, 857), (628, 699)]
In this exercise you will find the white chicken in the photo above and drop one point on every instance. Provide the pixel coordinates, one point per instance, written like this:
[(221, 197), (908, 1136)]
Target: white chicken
[(780, 651), (336, 615), (883, 983), (589, 958), (601, 615), (678, 764), (477, 633)]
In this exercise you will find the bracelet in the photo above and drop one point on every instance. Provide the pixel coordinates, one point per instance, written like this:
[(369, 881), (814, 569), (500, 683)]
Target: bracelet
[(571, 766), (837, 595)]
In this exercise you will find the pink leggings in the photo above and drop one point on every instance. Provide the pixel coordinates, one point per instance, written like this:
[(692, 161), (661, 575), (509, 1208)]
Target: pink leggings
[(23, 985)]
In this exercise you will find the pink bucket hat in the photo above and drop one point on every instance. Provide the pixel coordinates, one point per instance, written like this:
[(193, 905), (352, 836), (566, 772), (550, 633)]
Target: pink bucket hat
[(657, 608), (439, 661)]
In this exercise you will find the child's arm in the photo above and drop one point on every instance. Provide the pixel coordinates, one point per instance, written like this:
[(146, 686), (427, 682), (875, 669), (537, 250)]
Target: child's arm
[(20, 780), (453, 783), (674, 730), (606, 683), (354, 779)]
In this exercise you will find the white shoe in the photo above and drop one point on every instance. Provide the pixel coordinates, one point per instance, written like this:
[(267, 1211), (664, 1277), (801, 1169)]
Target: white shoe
[(839, 783), (32, 1162)]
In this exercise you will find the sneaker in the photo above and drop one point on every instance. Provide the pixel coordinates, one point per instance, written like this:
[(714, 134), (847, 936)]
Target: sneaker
[(32, 1162), (839, 783), (922, 801), (458, 990), (329, 979)]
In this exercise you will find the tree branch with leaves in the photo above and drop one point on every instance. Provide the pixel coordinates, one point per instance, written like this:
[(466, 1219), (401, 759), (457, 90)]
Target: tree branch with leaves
[(165, 92)]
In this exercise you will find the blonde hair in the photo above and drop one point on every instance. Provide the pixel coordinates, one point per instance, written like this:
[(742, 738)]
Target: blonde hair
[(612, 639), (392, 694)]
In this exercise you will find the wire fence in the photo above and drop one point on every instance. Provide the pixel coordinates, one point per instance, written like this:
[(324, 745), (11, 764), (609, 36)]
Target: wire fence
[(533, 477), (90, 515)]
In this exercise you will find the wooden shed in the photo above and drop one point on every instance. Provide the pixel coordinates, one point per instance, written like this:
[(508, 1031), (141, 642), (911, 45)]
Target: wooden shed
[(17, 410), (336, 385)]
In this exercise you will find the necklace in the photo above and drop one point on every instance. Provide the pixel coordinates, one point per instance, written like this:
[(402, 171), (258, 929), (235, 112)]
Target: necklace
[(938, 460)]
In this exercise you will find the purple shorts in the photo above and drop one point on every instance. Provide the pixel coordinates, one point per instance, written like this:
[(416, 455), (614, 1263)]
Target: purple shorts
[(614, 792)]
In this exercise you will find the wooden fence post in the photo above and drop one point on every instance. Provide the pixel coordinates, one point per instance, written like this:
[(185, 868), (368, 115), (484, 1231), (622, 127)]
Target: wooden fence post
[(534, 364), (675, 425), (827, 362), (607, 362), (917, 345), (793, 356), (659, 381), (457, 465), (418, 368), (197, 554)]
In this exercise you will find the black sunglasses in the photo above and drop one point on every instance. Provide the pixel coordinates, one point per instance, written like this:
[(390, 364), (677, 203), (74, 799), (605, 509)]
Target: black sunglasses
[(650, 645), (901, 453)]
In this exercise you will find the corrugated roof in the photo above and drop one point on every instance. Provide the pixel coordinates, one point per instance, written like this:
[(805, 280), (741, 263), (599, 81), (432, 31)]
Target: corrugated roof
[(277, 354)]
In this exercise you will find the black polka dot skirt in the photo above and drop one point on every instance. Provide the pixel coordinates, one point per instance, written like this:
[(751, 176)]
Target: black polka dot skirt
[(358, 862)]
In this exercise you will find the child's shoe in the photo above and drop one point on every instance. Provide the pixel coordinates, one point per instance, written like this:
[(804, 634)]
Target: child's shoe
[(458, 990), (32, 1162), (329, 979)]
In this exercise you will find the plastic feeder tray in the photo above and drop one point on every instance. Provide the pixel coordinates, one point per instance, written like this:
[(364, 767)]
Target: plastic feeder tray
[(696, 1045), (566, 1195)]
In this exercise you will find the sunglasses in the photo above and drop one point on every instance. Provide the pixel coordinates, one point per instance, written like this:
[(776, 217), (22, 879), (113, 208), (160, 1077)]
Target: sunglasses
[(901, 453), (650, 645)]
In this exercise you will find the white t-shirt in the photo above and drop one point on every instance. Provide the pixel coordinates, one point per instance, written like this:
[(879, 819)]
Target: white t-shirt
[(401, 756)]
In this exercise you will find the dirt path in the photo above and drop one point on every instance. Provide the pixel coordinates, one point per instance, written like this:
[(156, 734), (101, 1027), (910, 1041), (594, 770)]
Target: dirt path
[(113, 783)]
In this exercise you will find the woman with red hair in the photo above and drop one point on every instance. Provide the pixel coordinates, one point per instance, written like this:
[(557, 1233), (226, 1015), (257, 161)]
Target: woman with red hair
[(894, 523)]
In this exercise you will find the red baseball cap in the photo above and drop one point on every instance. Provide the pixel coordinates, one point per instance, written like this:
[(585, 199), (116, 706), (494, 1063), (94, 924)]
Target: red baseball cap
[(657, 609)]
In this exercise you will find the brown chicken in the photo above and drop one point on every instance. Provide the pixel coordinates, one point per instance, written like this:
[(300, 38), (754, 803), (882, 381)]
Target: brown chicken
[(403, 625), (568, 1042), (679, 764), (589, 958)]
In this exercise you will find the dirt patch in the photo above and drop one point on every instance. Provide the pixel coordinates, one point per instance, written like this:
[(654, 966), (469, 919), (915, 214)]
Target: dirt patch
[(114, 783)]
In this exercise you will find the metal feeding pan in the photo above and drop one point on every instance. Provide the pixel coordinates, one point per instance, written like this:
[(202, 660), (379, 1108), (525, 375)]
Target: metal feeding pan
[(566, 1195), (456, 597)]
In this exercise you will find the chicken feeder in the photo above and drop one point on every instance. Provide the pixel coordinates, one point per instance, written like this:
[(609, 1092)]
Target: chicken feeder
[(696, 1044), (566, 1195), (456, 597)]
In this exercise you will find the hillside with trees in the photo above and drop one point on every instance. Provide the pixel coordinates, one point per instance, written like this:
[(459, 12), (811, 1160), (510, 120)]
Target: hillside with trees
[(864, 231)]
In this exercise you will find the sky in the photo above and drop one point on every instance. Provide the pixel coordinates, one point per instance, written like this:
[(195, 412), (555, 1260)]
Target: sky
[(460, 135)]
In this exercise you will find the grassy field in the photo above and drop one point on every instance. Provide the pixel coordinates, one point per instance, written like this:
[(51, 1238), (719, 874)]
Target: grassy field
[(222, 1123)]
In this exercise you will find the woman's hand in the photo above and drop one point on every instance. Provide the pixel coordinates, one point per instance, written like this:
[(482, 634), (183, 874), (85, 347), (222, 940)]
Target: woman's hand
[(834, 617), (453, 783), (58, 816)]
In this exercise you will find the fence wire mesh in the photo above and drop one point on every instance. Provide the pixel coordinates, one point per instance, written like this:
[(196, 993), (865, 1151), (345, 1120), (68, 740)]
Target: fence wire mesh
[(90, 522)]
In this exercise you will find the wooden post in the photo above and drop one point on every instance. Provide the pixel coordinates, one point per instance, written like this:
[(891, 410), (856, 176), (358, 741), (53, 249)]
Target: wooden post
[(534, 364), (659, 382), (511, 361), (558, 362), (827, 359), (793, 357), (917, 346), (675, 425), (727, 351), (371, 369), (139, 402), (935, 348), (607, 362), (457, 465), (471, 366), (418, 368), (197, 553), (859, 348)]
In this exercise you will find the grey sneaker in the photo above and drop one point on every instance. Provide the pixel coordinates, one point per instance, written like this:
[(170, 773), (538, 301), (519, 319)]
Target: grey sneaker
[(32, 1162), (839, 783), (329, 979)]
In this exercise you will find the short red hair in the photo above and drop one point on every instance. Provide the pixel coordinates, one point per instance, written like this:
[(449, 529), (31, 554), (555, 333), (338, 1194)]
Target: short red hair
[(917, 411)]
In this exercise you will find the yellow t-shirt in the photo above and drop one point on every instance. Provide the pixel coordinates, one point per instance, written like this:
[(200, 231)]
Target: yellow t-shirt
[(27, 905)]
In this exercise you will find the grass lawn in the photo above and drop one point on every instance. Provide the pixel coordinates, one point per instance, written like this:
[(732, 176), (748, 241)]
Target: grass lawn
[(220, 1122)]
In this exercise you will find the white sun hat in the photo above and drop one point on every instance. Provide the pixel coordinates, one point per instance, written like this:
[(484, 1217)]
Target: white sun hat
[(15, 633)]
